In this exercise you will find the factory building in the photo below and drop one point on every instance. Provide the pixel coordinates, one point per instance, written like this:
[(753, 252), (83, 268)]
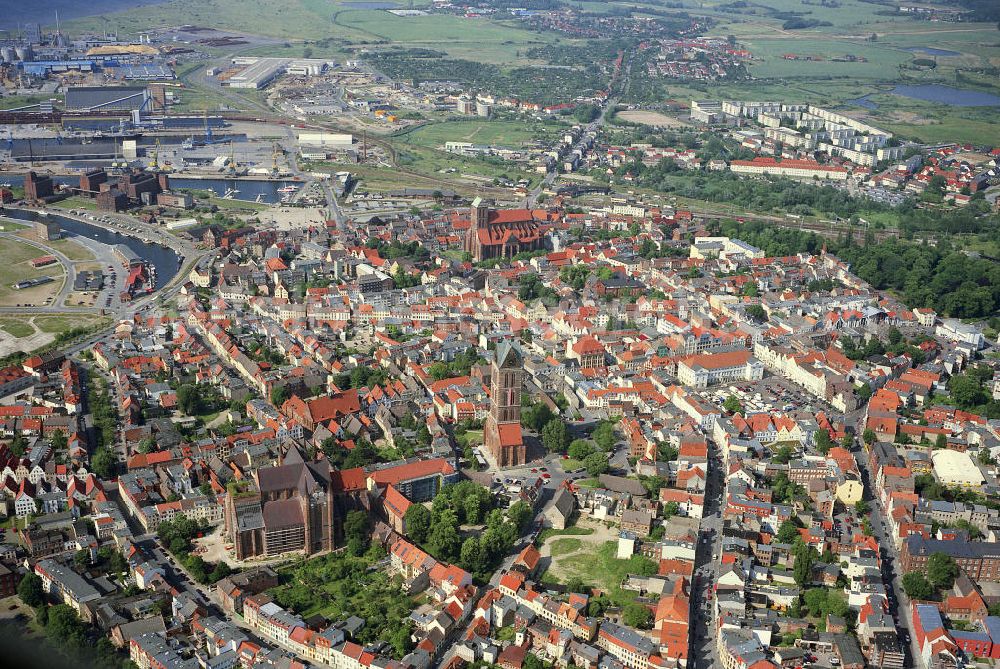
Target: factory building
[(112, 200), (37, 187), (48, 229), (259, 72), (106, 98), (91, 180)]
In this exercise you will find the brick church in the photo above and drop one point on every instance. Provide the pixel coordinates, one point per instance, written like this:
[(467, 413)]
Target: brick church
[(502, 432), (501, 233)]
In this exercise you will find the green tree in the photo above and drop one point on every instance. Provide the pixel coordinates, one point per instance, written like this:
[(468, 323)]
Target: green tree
[(670, 510), (147, 444), (104, 463), (18, 445), (823, 442), (916, 586), (579, 449), (555, 436), (732, 405), (400, 640), (536, 416), (31, 591), (356, 530), (787, 532), (637, 616), (941, 442), (81, 559), (596, 463), (941, 570), (805, 559), (58, 440), (279, 395), (189, 399), (868, 436), (117, 563), (783, 455), (756, 313), (443, 540), (604, 435), (472, 557), (418, 522)]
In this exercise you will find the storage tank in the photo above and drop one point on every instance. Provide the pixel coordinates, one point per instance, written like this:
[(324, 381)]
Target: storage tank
[(24, 53), (7, 54)]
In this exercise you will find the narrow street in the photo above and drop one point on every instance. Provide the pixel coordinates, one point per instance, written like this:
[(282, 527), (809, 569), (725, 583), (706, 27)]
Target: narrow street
[(899, 603), (703, 649)]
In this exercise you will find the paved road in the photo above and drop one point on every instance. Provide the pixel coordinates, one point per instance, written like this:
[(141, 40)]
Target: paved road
[(608, 106), (703, 647), (899, 603)]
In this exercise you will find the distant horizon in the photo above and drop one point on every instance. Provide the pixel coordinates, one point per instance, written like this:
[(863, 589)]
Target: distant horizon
[(44, 11)]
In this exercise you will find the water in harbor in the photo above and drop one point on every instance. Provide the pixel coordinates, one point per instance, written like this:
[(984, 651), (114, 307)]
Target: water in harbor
[(162, 258), (249, 189)]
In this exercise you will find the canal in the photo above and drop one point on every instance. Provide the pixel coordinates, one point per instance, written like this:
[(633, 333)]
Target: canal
[(165, 260)]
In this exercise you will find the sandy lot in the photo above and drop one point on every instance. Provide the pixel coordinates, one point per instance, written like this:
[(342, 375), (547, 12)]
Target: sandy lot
[(651, 118)]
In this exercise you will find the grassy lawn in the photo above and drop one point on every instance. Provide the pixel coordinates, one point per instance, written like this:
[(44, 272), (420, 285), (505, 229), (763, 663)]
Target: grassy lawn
[(57, 324), (15, 266), (569, 531), (561, 547), (67, 247), (471, 438), (15, 101), (569, 464), (16, 328), (9, 226), (601, 569), (481, 131), (432, 162), (76, 202)]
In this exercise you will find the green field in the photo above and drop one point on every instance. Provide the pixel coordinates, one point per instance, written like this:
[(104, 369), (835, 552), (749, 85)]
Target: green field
[(882, 62), (432, 29), (850, 17), (566, 546), (57, 324), (306, 20), (302, 19), (16, 327), (76, 202), (510, 134), (602, 569), (14, 266)]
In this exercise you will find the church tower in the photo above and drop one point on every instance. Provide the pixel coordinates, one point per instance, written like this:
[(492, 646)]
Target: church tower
[(502, 432), (479, 219)]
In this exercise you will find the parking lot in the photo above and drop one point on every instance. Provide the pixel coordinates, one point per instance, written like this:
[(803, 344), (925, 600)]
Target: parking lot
[(773, 394)]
